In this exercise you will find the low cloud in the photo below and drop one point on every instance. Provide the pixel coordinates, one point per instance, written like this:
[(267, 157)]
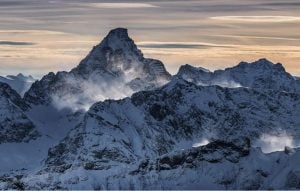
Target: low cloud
[(257, 37), (180, 45), (267, 19), (121, 5), (281, 4), (14, 43)]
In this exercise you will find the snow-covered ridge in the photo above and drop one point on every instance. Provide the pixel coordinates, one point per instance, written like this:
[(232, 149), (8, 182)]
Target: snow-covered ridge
[(261, 74)]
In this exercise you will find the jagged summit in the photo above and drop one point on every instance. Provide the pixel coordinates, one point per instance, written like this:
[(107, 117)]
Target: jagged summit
[(117, 53), (119, 39), (114, 65), (261, 74), (188, 67), (192, 74), (262, 63), (118, 33)]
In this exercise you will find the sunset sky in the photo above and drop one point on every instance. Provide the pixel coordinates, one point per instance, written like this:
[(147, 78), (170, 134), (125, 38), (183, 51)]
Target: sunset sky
[(39, 36)]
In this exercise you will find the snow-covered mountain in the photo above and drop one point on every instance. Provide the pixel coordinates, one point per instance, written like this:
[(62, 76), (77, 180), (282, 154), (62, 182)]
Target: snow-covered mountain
[(261, 74), (19, 83), (113, 69), (156, 139), (15, 126), (195, 130)]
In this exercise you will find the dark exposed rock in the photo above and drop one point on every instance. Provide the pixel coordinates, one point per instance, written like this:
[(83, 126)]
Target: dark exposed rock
[(293, 180), (230, 151)]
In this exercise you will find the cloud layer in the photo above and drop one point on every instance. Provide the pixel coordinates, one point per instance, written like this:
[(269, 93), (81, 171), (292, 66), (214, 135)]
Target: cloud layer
[(13, 43), (121, 5), (263, 19), (42, 36)]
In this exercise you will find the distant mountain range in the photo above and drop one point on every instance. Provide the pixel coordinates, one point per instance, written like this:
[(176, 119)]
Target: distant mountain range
[(19, 83), (120, 121)]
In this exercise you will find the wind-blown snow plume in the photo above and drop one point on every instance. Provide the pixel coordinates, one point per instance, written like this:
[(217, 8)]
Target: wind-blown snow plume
[(90, 93), (224, 83), (271, 142), (201, 143), (227, 84)]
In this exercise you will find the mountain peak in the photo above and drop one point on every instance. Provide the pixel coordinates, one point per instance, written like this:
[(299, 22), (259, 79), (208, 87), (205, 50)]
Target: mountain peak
[(116, 61), (121, 33), (115, 52), (118, 42), (263, 62), (118, 38), (189, 68), (20, 75), (193, 74)]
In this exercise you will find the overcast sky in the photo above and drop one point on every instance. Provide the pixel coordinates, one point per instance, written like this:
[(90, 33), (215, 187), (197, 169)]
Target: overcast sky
[(39, 36)]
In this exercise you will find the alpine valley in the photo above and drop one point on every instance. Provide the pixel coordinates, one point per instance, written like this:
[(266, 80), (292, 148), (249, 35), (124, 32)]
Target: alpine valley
[(121, 121)]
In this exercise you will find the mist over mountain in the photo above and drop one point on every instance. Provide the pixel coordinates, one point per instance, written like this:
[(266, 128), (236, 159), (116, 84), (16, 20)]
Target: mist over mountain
[(120, 121), (19, 83)]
